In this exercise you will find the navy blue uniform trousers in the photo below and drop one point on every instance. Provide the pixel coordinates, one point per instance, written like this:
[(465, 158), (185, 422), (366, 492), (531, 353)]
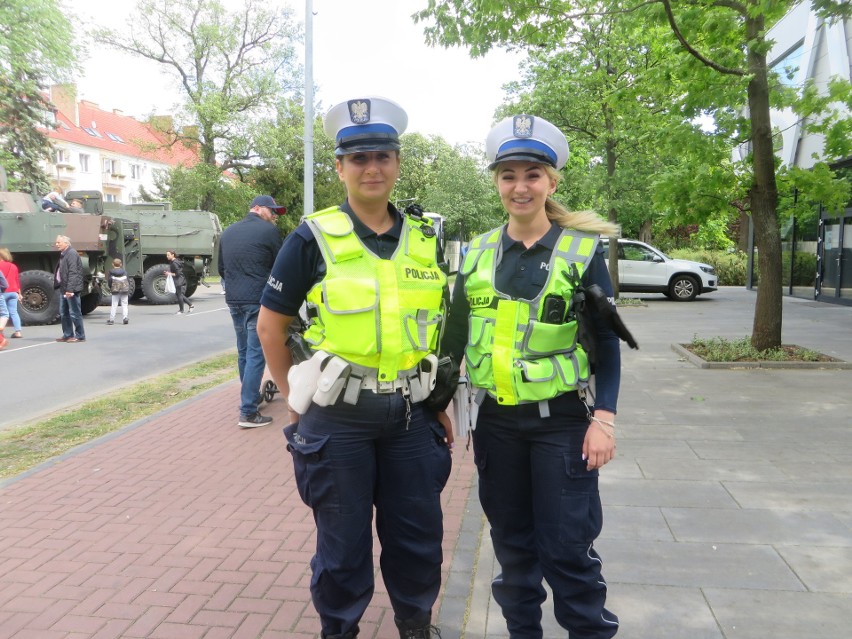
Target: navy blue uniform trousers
[(545, 512), (349, 459)]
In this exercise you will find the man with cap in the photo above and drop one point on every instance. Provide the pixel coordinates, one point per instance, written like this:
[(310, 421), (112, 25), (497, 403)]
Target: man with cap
[(518, 320), (247, 250), (362, 438)]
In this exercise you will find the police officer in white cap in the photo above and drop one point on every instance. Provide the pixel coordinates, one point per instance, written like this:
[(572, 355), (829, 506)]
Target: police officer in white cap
[(540, 436), (360, 434)]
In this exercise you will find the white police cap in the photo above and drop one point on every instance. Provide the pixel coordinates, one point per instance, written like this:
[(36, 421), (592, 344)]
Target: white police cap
[(365, 124), (528, 138)]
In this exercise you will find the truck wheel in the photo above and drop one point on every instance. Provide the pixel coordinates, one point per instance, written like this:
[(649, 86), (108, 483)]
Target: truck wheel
[(40, 303), (89, 302), (190, 288), (154, 285)]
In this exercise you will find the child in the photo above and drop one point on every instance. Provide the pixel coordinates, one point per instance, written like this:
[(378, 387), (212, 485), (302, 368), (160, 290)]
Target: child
[(119, 285)]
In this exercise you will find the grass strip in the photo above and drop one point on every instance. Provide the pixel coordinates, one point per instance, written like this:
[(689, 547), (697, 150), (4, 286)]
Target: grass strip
[(26, 446)]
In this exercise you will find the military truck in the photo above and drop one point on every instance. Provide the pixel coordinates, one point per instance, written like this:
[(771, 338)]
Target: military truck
[(29, 233), (193, 234)]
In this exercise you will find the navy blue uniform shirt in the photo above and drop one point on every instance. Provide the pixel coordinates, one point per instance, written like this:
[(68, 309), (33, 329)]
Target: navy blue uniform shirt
[(521, 274)]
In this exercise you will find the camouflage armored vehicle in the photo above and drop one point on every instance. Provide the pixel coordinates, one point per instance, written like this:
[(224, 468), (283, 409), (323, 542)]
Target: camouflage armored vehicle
[(29, 233), (193, 234)]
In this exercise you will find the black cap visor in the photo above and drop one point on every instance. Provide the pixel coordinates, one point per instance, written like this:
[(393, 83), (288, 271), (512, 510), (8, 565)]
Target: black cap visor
[(522, 155), (367, 142)]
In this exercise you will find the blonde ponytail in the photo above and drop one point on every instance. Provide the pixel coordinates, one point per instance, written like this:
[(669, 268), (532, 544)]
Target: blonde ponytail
[(583, 221)]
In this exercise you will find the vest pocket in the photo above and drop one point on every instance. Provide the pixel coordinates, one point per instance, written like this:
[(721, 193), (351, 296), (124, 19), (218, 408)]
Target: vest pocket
[(477, 353), (352, 305), (422, 329), (542, 339)]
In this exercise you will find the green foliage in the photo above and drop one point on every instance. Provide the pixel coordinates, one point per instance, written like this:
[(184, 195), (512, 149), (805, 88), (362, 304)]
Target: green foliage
[(187, 188), (280, 171), (802, 193), (712, 235), (802, 272), (232, 65), (35, 49), (731, 266), (452, 181)]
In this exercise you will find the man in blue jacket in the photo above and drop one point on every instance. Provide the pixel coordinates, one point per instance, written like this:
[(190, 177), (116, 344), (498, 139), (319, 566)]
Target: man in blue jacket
[(247, 252)]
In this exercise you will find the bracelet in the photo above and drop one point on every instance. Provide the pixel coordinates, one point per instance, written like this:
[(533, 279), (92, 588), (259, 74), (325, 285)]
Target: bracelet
[(608, 428), (602, 421)]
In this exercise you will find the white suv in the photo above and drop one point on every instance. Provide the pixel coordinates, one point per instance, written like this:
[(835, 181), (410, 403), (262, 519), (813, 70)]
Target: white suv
[(644, 269)]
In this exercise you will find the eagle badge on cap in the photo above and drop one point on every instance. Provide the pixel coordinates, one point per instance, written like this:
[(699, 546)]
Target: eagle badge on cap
[(522, 126), (359, 111)]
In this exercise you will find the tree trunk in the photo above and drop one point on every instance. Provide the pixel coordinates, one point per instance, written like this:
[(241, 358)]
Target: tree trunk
[(645, 231), (763, 196), (208, 156), (612, 213)]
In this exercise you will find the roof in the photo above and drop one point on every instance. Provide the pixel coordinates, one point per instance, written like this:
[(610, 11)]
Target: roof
[(121, 134)]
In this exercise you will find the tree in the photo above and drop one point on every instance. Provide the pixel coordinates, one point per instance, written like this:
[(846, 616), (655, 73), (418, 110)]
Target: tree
[(604, 88), (231, 66), (188, 187), (724, 63), (462, 191), (35, 48), (280, 171)]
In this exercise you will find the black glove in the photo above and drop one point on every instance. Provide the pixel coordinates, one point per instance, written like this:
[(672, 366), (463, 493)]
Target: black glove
[(447, 381)]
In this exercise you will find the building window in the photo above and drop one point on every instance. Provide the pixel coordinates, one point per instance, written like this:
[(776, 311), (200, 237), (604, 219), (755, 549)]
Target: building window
[(112, 167), (136, 171), (114, 137), (92, 132), (787, 67), (84, 162), (60, 156)]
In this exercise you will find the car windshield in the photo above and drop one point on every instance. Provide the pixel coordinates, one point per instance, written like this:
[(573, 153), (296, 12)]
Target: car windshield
[(637, 252)]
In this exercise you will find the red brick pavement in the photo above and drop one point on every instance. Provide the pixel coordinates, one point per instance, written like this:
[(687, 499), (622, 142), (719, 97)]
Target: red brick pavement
[(184, 526)]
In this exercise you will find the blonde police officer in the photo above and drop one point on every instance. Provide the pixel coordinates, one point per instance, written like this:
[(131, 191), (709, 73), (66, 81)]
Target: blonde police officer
[(537, 445), (360, 435)]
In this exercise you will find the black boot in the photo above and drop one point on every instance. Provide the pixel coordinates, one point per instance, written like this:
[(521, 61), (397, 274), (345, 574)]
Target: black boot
[(417, 629)]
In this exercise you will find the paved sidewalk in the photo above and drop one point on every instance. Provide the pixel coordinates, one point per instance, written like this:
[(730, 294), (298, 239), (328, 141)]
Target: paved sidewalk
[(727, 513)]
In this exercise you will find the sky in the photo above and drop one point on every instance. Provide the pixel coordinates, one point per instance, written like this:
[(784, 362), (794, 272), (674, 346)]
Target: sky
[(361, 47)]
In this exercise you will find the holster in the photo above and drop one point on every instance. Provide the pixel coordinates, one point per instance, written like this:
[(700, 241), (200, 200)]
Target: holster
[(421, 386), (446, 384), (304, 380), (332, 379), (465, 407)]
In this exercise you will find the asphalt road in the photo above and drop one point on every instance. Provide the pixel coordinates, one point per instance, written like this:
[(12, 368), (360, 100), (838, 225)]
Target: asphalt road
[(39, 376)]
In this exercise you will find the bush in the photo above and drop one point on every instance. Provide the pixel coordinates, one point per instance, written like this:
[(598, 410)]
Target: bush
[(730, 268), (804, 269)]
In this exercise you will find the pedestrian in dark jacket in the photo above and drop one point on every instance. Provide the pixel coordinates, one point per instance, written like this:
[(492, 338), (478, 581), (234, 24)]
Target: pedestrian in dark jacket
[(68, 279), (175, 271), (247, 251)]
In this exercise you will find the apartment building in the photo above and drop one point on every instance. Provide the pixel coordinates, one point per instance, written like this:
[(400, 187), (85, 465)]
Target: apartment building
[(108, 151)]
